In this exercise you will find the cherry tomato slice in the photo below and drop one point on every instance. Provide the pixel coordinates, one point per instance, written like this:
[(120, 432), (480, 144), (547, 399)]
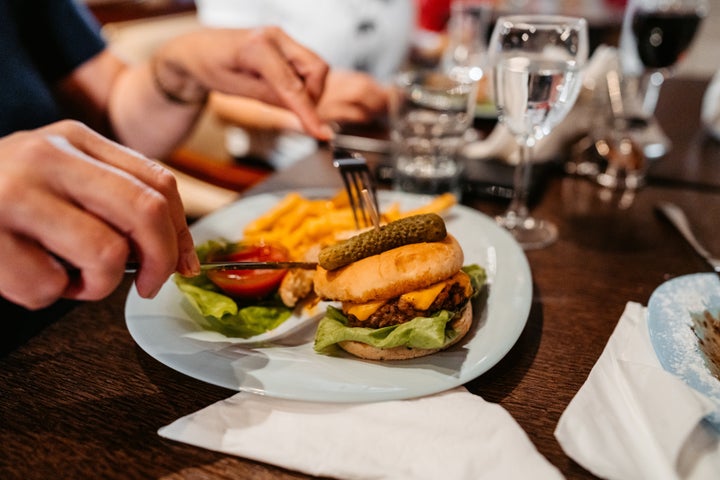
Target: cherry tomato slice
[(248, 284)]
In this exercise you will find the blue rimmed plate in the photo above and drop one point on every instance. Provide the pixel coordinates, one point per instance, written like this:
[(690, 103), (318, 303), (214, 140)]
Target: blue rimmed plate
[(675, 343)]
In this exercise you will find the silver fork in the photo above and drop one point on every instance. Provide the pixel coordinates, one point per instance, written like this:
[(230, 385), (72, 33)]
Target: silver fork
[(360, 187)]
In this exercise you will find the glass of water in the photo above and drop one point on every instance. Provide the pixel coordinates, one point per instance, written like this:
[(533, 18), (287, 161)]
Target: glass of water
[(430, 113), (536, 62)]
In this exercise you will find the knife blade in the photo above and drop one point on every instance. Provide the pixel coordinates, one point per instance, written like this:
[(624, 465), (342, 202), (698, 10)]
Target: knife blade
[(133, 267), (363, 144)]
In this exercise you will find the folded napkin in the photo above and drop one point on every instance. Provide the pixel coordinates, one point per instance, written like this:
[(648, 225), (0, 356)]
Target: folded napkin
[(633, 420), (453, 435)]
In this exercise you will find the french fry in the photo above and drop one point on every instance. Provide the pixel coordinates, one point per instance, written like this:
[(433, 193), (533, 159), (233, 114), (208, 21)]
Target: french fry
[(266, 221), (438, 205), (299, 223)]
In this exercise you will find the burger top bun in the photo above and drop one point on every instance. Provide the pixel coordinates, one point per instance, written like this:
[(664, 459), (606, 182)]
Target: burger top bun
[(461, 324), (391, 273)]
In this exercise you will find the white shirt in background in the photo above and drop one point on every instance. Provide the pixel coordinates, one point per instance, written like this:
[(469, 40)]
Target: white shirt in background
[(372, 36)]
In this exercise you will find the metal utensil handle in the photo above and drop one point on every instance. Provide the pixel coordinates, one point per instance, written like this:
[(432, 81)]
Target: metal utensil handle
[(680, 221), (133, 267)]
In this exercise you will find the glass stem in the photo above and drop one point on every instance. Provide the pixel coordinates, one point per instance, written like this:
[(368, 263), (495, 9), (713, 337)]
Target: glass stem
[(521, 179), (651, 83)]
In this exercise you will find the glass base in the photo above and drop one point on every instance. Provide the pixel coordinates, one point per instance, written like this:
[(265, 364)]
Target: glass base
[(531, 233)]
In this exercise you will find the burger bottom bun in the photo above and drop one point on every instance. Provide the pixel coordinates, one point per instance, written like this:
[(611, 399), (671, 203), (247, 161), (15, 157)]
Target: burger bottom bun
[(461, 324)]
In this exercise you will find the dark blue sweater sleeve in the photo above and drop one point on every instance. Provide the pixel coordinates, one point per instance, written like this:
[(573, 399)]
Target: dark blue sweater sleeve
[(41, 42), (58, 34)]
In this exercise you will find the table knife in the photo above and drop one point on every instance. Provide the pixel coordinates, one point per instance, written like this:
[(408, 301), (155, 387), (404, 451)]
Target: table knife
[(132, 267)]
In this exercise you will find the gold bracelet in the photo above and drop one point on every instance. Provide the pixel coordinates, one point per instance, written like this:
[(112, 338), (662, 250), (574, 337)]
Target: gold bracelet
[(175, 85)]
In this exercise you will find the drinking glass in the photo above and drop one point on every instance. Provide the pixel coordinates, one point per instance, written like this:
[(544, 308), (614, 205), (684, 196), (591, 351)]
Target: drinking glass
[(537, 62), (464, 57), (430, 114), (656, 35)]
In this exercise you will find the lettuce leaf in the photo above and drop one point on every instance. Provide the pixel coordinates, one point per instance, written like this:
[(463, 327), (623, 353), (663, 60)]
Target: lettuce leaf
[(478, 277), (209, 303), (421, 332), (249, 321), (222, 313)]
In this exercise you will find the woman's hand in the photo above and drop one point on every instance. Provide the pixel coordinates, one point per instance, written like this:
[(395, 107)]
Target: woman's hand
[(68, 193), (349, 98), (353, 97), (263, 63), (152, 106)]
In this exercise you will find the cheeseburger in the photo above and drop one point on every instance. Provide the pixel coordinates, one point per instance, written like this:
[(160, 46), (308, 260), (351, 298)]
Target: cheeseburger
[(402, 290)]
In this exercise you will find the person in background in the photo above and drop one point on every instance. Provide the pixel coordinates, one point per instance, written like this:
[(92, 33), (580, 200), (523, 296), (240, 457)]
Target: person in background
[(364, 41), (75, 205)]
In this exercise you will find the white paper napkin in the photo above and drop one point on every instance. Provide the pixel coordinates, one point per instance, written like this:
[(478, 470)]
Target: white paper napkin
[(454, 435), (633, 420)]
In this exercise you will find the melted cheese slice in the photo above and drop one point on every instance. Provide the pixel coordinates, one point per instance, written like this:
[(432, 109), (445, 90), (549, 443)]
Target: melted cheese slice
[(420, 299), (363, 310)]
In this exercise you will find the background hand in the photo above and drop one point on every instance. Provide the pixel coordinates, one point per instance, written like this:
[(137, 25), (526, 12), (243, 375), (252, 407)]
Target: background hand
[(349, 97), (263, 63), (352, 97)]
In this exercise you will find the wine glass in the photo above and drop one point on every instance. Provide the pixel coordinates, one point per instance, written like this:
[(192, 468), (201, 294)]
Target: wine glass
[(656, 35), (464, 57), (537, 62)]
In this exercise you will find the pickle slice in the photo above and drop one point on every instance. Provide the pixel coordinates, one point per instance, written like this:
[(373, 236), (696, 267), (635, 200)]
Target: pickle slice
[(429, 227)]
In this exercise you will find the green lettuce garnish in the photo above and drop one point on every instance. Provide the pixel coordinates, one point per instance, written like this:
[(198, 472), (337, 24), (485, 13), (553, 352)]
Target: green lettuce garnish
[(209, 303), (478, 277), (224, 314), (422, 332)]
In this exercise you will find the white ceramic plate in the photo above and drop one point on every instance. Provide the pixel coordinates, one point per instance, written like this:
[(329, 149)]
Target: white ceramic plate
[(164, 328), (672, 338)]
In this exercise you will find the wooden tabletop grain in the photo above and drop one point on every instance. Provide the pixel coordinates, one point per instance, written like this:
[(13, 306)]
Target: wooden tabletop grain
[(78, 398)]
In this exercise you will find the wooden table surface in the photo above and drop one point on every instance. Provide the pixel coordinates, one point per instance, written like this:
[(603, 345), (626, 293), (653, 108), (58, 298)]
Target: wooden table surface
[(80, 400)]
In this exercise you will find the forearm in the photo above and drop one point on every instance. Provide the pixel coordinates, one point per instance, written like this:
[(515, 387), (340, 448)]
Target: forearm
[(144, 117)]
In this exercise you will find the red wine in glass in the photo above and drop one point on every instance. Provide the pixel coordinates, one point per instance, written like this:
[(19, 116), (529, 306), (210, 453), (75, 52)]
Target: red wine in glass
[(663, 36)]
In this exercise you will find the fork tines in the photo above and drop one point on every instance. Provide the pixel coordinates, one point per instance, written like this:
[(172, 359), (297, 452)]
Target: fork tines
[(357, 177)]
